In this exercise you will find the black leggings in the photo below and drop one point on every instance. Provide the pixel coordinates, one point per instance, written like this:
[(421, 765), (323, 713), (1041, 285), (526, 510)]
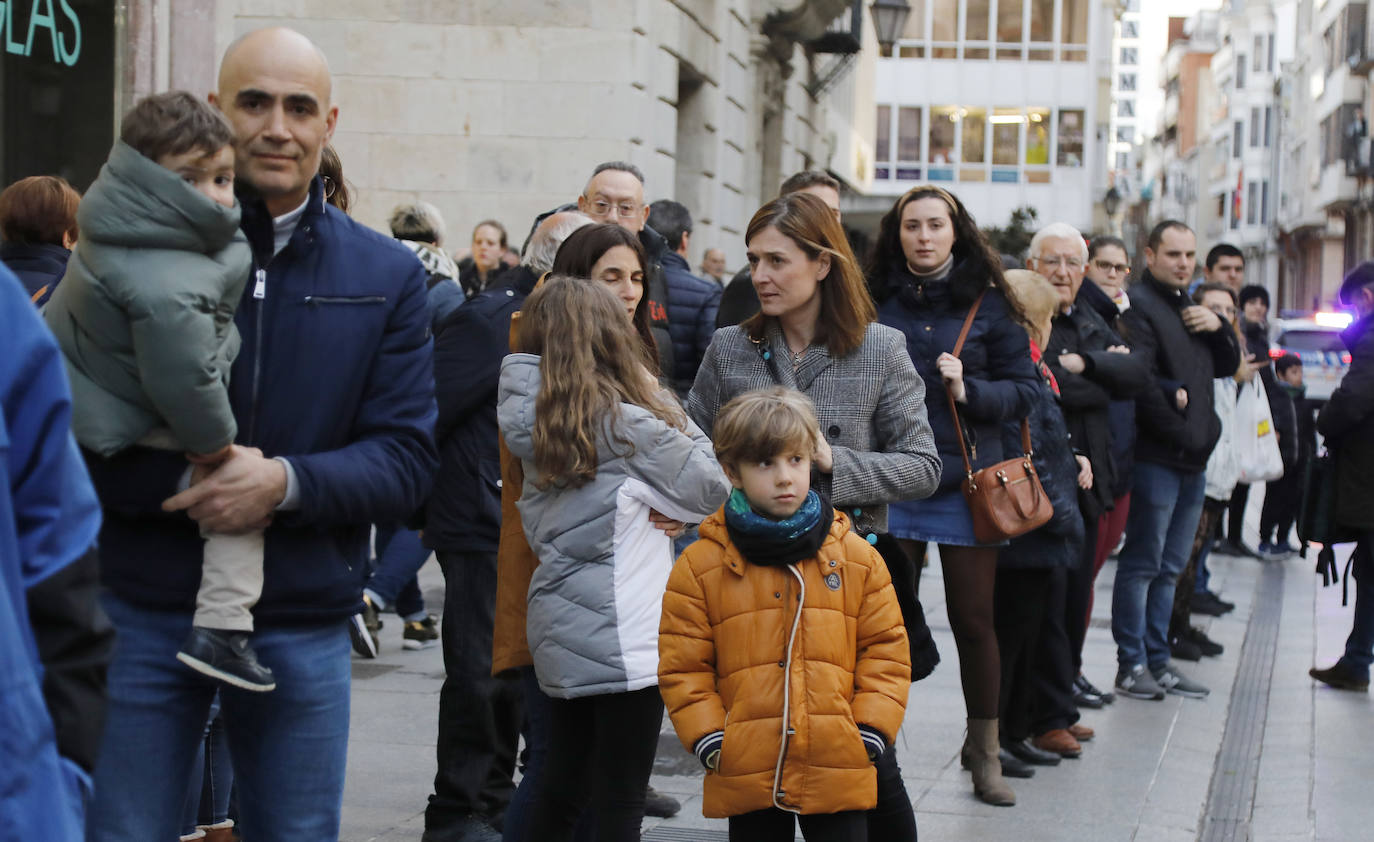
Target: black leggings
[(602, 747), (774, 824), (970, 573)]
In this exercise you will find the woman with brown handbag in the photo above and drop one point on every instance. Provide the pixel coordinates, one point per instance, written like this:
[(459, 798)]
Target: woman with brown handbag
[(929, 267)]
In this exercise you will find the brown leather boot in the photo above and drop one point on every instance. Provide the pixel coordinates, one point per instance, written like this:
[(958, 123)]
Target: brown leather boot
[(988, 784)]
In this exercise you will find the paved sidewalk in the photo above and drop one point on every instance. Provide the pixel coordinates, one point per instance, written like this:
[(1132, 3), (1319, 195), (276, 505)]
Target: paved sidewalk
[(1147, 776)]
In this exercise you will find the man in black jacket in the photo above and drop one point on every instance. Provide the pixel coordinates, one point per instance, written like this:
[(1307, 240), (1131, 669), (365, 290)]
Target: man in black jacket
[(479, 715), (1093, 367), (1185, 346), (1347, 423)]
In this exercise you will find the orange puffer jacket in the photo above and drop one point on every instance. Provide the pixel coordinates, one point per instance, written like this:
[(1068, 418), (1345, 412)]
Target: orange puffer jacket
[(786, 661)]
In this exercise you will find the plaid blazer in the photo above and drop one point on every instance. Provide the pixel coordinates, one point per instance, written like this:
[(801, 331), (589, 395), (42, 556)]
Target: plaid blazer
[(870, 403)]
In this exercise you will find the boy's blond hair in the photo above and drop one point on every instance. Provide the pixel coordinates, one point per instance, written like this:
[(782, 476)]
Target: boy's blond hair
[(759, 425)]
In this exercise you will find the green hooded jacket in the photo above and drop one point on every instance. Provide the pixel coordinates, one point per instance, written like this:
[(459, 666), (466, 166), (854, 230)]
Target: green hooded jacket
[(145, 312)]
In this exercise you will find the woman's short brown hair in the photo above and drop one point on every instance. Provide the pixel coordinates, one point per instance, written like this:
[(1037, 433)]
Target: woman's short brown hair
[(846, 308), (38, 209), (762, 423)]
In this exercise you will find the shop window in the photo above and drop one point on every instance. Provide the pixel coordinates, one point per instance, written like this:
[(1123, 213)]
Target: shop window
[(973, 137), (1006, 136), (944, 29), (915, 27), (909, 134), (1010, 29), (943, 120), (882, 135), (57, 89), (1070, 152), (1037, 135)]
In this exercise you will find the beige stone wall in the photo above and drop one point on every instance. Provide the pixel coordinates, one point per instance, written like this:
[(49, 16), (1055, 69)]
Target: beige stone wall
[(499, 108)]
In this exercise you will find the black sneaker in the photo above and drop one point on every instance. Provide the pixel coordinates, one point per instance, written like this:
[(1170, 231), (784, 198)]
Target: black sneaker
[(1197, 636), (1081, 683), (1087, 700), (228, 657), (658, 805), (419, 634), (1185, 649), (1207, 603), (1225, 605), (363, 628)]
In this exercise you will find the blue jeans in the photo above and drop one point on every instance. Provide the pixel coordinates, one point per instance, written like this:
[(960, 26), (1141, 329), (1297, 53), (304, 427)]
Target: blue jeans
[(400, 555), (289, 747), (212, 777), (1166, 505), (1359, 647)]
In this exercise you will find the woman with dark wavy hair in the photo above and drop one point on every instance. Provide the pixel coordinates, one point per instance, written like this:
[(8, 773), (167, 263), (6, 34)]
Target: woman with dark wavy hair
[(929, 267), (614, 256)]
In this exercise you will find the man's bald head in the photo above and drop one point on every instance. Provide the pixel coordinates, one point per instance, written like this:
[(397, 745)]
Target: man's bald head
[(275, 88)]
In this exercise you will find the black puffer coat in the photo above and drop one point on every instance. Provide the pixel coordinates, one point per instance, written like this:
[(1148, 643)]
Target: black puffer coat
[(1120, 413), (1059, 542), (1086, 398), (1179, 439), (999, 377)]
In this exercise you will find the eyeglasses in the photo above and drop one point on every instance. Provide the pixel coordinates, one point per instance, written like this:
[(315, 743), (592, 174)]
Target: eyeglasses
[(1108, 267), (1055, 262), (601, 207)]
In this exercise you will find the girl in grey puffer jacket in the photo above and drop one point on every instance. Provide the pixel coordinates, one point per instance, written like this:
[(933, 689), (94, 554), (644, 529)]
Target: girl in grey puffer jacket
[(602, 445)]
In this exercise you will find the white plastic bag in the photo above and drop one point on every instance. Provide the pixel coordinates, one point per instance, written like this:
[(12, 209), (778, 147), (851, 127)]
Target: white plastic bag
[(1257, 445), (1221, 465)]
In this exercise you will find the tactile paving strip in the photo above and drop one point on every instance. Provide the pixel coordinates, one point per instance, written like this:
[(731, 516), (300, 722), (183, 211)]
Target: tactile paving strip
[(1231, 798)]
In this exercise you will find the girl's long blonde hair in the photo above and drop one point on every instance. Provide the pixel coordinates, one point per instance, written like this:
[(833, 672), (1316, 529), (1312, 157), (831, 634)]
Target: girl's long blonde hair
[(591, 361)]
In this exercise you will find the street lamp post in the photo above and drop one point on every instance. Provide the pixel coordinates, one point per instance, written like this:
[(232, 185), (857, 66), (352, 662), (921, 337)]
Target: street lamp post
[(889, 18), (1111, 203)]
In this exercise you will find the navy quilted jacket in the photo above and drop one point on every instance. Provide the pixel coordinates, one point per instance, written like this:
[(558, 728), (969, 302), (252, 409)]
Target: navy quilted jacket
[(692, 305)]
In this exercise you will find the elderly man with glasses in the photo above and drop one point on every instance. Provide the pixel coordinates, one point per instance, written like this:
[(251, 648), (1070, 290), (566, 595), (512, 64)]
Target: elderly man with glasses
[(1093, 367)]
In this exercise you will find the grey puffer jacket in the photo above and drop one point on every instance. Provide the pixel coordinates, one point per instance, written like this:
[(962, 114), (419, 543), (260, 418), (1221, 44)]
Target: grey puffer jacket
[(597, 594), (145, 312)]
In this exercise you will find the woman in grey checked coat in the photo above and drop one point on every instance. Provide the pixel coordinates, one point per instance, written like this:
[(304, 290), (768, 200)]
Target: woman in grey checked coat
[(817, 332)]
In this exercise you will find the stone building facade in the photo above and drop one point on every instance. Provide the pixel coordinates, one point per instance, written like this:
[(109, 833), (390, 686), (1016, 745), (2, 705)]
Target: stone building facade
[(500, 108)]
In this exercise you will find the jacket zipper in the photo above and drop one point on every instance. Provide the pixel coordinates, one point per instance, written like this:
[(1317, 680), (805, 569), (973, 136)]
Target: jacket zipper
[(259, 295), (787, 691)]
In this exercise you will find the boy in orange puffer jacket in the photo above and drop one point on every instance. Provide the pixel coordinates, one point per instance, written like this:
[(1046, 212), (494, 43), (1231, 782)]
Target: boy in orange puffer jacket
[(783, 658)]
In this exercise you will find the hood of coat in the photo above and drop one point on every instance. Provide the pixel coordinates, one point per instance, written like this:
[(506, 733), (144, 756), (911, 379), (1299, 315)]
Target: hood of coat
[(713, 529), (515, 398), (136, 203)]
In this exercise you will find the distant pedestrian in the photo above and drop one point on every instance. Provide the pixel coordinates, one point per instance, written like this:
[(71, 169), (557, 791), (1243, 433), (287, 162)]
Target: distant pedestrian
[(485, 263), (776, 538), (1283, 497), (1347, 424), (604, 445), (692, 301), (713, 265), (38, 226), (420, 228)]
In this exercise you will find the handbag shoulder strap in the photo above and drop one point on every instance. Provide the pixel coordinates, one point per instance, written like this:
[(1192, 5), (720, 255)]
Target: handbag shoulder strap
[(953, 405)]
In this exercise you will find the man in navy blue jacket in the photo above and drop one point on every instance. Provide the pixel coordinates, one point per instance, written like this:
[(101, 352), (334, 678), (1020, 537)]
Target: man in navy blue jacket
[(334, 397), (692, 301)]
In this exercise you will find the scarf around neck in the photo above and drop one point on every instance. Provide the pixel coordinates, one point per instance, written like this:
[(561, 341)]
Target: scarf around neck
[(768, 542)]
